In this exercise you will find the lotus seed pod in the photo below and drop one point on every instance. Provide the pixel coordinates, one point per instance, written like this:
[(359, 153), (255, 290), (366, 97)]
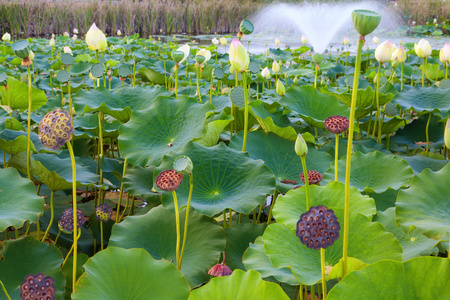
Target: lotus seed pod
[(314, 177), (300, 146), (169, 180), (177, 56), (365, 21), (205, 53), (246, 27), (37, 287), (103, 212), (317, 58), (220, 270), (199, 59), (183, 165), (55, 129), (21, 48), (318, 227), (337, 124), (66, 221)]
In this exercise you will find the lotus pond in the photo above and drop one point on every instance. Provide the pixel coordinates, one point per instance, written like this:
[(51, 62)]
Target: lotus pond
[(137, 169)]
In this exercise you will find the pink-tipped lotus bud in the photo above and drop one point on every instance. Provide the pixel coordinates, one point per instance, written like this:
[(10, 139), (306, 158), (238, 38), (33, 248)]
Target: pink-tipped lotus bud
[(277, 41), (304, 39), (223, 41), (276, 67), (265, 73), (346, 41), (383, 52), (239, 58), (423, 48), (399, 55)]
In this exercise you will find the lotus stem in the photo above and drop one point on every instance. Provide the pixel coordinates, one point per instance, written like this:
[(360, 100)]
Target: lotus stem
[(315, 76), (324, 281), (176, 80), (274, 199), (125, 163), (198, 85), (52, 215), (446, 69), (244, 84), (57, 237), (1, 283), (377, 116), (100, 151), (70, 251), (401, 77), (165, 74), (177, 220), (74, 205), (126, 206), (305, 172), (29, 125), (426, 134), (349, 152), (70, 93), (423, 72), (336, 157), (191, 187), (101, 235), (313, 291)]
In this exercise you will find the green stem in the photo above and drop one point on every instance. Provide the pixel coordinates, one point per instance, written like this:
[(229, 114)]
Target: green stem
[(101, 235), (446, 69), (377, 116), (1, 283), (423, 73), (315, 76), (74, 205), (401, 77), (224, 216), (29, 125), (244, 84), (324, 281), (349, 153), (211, 89), (52, 215), (100, 151), (336, 157), (198, 85), (176, 80), (177, 219), (126, 206), (125, 163), (305, 173), (191, 188), (230, 217), (70, 93), (274, 199), (59, 233), (426, 134)]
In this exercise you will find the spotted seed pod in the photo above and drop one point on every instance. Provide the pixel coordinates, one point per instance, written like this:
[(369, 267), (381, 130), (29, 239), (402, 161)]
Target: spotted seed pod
[(55, 129), (38, 287), (318, 227), (66, 221), (314, 177), (169, 180), (103, 212), (220, 270), (337, 124)]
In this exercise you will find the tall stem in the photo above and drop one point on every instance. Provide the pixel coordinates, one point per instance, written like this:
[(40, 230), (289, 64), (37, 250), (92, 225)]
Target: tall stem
[(426, 133), (52, 215), (3, 286), (176, 80), (69, 88), (349, 152), (423, 73), (198, 85), (244, 83), (324, 281), (191, 187), (305, 173), (274, 200), (177, 220), (125, 162), (401, 77), (74, 205), (377, 116), (29, 125), (336, 157)]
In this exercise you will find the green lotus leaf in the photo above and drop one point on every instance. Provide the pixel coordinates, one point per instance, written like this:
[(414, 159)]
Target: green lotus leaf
[(256, 259), (18, 200), (149, 75), (237, 239), (418, 278), (279, 156), (425, 99), (239, 286), (68, 271), (425, 204), (12, 142), (54, 172), (216, 125), (420, 162), (166, 126), (313, 106), (138, 181), (223, 178), (413, 243), (26, 256), (117, 273), (289, 207), (156, 232), (17, 94), (119, 104), (373, 172), (389, 125), (368, 242), (89, 123)]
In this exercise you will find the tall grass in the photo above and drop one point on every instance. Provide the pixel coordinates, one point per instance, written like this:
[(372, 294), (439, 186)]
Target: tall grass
[(146, 17)]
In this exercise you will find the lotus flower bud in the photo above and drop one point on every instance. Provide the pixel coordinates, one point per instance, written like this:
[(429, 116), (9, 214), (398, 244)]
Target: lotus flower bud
[(276, 67), (65, 223), (423, 48), (52, 42), (444, 54), (74, 37), (267, 52), (119, 33), (346, 41), (6, 37), (67, 50), (399, 55), (295, 80), (277, 41), (239, 58), (376, 40), (96, 39), (280, 89), (66, 34), (365, 21), (383, 52), (205, 53), (186, 50), (38, 287), (223, 41), (53, 36), (103, 212), (31, 55), (75, 31), (183, 165), (215, 41), (169, 180), (304, 39), (447, 134), (300, 146), (265, 73), (317, 58)]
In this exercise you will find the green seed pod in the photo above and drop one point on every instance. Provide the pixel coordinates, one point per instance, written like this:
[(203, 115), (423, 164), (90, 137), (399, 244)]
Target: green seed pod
[(199, 59), (317, 58), (300, 146), (246, 27), (183, 165), (177, 56), (365, 21), (55, 129), (21, 48)]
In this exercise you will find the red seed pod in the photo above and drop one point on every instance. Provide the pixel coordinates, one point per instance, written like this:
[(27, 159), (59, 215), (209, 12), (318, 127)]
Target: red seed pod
[(169, 180), (314, 177), (220, 270), (337, 124)]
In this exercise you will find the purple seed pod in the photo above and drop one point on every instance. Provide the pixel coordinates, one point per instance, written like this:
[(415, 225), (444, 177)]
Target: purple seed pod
[(314, 177), (38, 287), (337, 124), (318, 227), (220, 270), (55, 129), (103, 212), (66, 221), (169, 180)]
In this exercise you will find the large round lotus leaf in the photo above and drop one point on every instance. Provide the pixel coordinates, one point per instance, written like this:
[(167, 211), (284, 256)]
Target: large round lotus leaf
[(120, 103), (414, 243), (239, 286), (167, 125), (117, 273), (313, 106), (156, 233), (256, 259), (29, 256), (289, 207), (425, 204), (420, 162), (373, 172), (422, 100), (279, 156), (368, 242), (238, 237), (54, 172), (12, 142), (223, 178), (18, 200), (418, 278), (138, 181), (17, 93)]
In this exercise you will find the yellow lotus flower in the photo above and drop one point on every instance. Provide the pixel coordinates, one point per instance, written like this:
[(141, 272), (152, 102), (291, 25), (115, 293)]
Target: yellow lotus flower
[(239, 58), (423, 48), (96, 39)]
